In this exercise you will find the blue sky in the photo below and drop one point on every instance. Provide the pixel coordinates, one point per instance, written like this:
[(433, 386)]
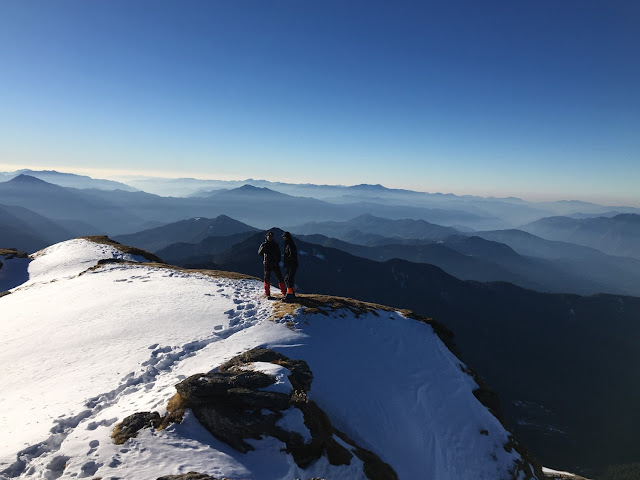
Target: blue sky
[(536, 99)]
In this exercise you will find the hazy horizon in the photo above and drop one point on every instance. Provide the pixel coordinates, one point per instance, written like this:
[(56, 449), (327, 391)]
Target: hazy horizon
[(535, 100), (122, 177)]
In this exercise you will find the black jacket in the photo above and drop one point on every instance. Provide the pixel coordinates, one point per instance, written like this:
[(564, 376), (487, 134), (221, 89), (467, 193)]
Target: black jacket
[(290, 253), (271, 252)]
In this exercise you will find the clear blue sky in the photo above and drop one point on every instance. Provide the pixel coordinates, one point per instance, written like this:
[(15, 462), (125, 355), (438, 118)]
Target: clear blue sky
[(537, 99)]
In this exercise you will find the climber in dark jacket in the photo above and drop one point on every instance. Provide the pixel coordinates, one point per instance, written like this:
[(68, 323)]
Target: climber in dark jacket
[(271, 253), (290, 265)]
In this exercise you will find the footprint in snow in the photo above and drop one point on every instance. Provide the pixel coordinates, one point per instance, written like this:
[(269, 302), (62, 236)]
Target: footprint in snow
[(103, 423), (250, 313), (90, 468), (93, 446)]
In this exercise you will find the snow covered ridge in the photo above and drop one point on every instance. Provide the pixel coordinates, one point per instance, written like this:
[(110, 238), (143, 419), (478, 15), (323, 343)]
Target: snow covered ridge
[(82, 353)]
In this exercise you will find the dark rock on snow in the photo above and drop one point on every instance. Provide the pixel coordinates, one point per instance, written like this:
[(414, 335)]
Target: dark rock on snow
[(131, 425), (188, 476), (233, 406)]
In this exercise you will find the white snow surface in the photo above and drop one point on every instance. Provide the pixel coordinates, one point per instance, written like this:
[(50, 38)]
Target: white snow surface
[(81, 351), (559, 474)]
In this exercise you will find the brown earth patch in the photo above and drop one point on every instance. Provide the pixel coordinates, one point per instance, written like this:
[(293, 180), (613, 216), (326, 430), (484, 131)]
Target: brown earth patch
[(104, 240), (209, 273), (131, 425), (13, 252), (308, 303)]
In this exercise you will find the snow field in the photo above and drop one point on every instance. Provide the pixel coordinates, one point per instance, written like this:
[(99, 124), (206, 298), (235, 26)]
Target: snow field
[(83, 352)]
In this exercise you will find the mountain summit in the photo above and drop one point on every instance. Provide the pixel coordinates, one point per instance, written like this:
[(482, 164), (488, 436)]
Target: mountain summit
[(24, 179), (153, 370)]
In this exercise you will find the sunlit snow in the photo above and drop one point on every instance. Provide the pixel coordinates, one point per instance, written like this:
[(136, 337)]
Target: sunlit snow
[(83, 349)]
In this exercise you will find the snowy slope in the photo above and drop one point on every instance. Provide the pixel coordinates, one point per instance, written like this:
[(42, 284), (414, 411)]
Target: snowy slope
[(84, 348)]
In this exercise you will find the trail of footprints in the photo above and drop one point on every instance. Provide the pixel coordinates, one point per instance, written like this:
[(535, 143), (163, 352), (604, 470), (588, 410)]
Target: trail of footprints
[(247, 312)]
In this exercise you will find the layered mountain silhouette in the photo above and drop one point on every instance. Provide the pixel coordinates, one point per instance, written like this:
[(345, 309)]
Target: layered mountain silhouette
[(606, 273), (378, 227), (616, 236), (92, 211), (28, 230), (189, 231), (523, 259), (71, 180), (60, 203), (506, 255)]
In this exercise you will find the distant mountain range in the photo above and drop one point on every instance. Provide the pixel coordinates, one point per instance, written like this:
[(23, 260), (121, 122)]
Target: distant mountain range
[(69, 180), (531, 262), (118, 212), (193, 230), (23, 229), (516, 209), (506, 255), (60, 203), (337, 203), (616, 236), (377, 226)]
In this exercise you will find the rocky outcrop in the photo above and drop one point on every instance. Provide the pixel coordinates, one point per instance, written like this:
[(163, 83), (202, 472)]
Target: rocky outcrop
[(131, 425), (189, 476), (300, 376), (9, 253), (235, 403)]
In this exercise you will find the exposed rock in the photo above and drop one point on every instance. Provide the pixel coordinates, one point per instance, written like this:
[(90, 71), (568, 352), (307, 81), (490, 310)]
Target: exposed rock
[(202, 388), (527, 468), (300, 377), (131, 425), (188, 476), (322, 439), (232, 404), (10, 253)]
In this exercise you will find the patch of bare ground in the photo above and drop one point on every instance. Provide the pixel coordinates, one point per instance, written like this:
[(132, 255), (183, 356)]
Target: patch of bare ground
[(104, 240), (563, 476), (326, 304), (166, 266), (12, 252)]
